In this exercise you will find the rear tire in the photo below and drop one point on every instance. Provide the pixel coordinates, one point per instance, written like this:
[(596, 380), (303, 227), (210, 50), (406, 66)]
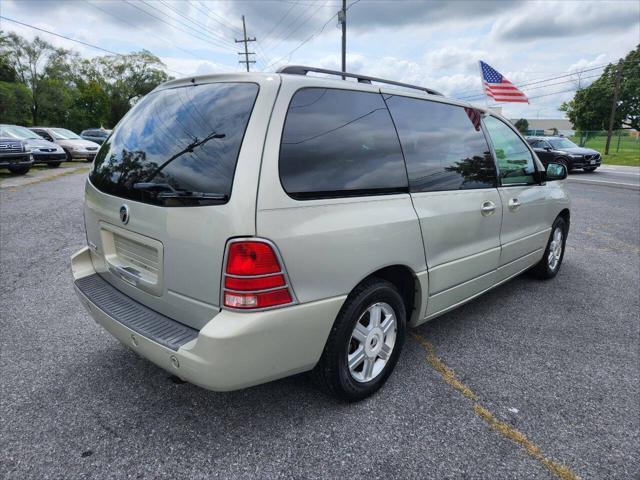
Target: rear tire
[(589, 169), (549, 264), (365, 342), (53, 165), (20, 170)]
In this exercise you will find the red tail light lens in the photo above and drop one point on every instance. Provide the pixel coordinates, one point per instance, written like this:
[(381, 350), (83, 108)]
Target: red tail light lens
[(251, 258), (253, 277)]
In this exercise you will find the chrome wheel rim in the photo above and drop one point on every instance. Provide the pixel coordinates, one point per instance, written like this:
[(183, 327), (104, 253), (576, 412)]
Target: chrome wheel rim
[(555, 249), (372, 342)]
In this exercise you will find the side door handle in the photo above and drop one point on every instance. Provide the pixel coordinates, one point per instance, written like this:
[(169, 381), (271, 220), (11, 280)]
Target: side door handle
[(514, 204), (488, 208)]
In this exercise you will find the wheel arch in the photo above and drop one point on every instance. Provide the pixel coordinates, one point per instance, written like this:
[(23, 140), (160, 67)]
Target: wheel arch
[(407, 283)]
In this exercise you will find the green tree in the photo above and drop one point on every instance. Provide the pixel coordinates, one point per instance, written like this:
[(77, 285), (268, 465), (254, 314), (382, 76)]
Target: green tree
[(590, 107), (15, 100), (522, 125)]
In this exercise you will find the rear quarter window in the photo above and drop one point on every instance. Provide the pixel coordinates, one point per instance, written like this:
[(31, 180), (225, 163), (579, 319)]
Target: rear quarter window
[(187, 139), (338, 143)]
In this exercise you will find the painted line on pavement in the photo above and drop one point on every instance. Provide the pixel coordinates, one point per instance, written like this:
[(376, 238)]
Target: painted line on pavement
[(628, 186), (561, 471)]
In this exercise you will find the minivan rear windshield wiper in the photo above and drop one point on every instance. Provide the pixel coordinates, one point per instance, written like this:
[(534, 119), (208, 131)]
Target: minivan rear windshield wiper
[(164, 190)]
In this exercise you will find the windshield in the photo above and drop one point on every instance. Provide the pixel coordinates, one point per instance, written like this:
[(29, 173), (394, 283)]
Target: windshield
[(20, 133), (64, 134), (560, 143), (183, 140)]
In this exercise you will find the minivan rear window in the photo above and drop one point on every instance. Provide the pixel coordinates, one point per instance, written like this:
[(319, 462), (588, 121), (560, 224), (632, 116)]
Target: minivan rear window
[(177, 147)]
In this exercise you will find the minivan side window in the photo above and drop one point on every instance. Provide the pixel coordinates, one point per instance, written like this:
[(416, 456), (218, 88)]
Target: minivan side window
[(339, 143), (515, 162), (443, 145)]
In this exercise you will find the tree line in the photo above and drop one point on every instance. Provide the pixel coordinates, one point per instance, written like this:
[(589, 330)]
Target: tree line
[(590, 108), (48, 86)]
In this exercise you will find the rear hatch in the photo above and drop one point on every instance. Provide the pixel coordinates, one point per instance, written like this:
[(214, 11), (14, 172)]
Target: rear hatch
[(161, 200)]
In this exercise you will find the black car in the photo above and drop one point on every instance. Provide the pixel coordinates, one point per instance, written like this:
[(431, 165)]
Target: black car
[(562, 150), (15, 156)]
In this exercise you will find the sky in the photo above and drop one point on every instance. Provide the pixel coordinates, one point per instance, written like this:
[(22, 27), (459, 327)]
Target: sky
[(425, 42)]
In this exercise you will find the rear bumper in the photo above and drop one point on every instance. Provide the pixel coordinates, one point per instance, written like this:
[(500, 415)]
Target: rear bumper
[(234, 349)]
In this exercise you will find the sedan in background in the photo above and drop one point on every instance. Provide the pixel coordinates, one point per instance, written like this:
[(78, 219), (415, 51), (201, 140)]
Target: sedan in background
[(98, 135), (564, 151), (75, 146), (43, 151)]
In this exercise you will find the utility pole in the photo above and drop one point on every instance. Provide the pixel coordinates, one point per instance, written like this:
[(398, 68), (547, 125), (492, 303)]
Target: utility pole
[(614, 106), (342, 17), (246, 41)]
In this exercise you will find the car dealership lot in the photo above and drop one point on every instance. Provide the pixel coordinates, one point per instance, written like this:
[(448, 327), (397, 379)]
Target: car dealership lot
[(556, 361)]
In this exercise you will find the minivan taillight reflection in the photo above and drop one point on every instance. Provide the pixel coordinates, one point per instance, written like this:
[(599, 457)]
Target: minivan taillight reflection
[(254, 277)]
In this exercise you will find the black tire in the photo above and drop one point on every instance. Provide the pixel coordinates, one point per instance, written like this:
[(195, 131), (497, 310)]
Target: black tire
[(544, 269), (20, 170), (589, 169), (53, 164), (332, 371), (88, 160), (69, 157)]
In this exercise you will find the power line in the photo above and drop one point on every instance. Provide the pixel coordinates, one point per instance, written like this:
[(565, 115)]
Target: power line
[(171, 25), (294, 30), (61, 36), (535, 82), (201, 28), (135, 26), (304, 41), (77, 41)]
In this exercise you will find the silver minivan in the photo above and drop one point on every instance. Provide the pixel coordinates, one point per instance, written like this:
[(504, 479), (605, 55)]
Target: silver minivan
[(246, 227)]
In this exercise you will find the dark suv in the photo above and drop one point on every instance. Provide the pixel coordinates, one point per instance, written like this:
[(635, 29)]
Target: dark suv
[(15, 156), (562, 150)]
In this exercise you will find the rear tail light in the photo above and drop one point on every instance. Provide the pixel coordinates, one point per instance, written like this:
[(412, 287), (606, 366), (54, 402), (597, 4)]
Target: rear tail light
[(254, 277)]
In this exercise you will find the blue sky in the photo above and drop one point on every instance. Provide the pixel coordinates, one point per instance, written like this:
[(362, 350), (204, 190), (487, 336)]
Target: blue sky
[(433, 43)]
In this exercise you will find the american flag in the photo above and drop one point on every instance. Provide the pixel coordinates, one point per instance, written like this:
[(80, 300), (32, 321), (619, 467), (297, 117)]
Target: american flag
[(498, 87)]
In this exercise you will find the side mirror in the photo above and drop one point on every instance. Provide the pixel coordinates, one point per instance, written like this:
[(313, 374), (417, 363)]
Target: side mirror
[(556, 171), (548, 149)]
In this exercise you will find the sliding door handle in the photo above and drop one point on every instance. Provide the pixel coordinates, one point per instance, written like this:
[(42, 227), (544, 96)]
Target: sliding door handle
[(488, 208)]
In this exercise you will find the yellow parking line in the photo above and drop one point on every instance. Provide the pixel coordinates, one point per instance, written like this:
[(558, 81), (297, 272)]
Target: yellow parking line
[(561, 471)]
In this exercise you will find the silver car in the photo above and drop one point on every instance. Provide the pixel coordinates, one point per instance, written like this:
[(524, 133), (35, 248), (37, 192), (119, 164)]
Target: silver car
[(43, 151), (246, 227), (75, 146)]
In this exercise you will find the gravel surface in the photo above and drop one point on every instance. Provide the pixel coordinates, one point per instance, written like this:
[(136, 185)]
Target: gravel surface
[(558, 361)]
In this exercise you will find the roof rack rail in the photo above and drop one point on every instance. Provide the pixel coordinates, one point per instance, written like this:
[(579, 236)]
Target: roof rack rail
[(302, 70)]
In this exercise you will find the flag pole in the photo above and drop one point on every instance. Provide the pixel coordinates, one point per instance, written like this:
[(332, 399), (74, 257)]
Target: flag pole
[(486, 98)]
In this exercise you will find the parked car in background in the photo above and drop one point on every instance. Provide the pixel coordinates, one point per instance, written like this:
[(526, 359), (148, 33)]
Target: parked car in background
[(73, 144), (564, 151), (98, 135), (15, 155), (279, 223), (43, 151)]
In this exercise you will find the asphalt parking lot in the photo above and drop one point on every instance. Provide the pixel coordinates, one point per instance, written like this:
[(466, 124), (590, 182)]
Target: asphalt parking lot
[(533, 380)]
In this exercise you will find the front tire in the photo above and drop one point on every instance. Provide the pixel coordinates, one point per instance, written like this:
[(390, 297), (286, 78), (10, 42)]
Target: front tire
[(589, 169), (53, 165), (365, 342), (549, 265)]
